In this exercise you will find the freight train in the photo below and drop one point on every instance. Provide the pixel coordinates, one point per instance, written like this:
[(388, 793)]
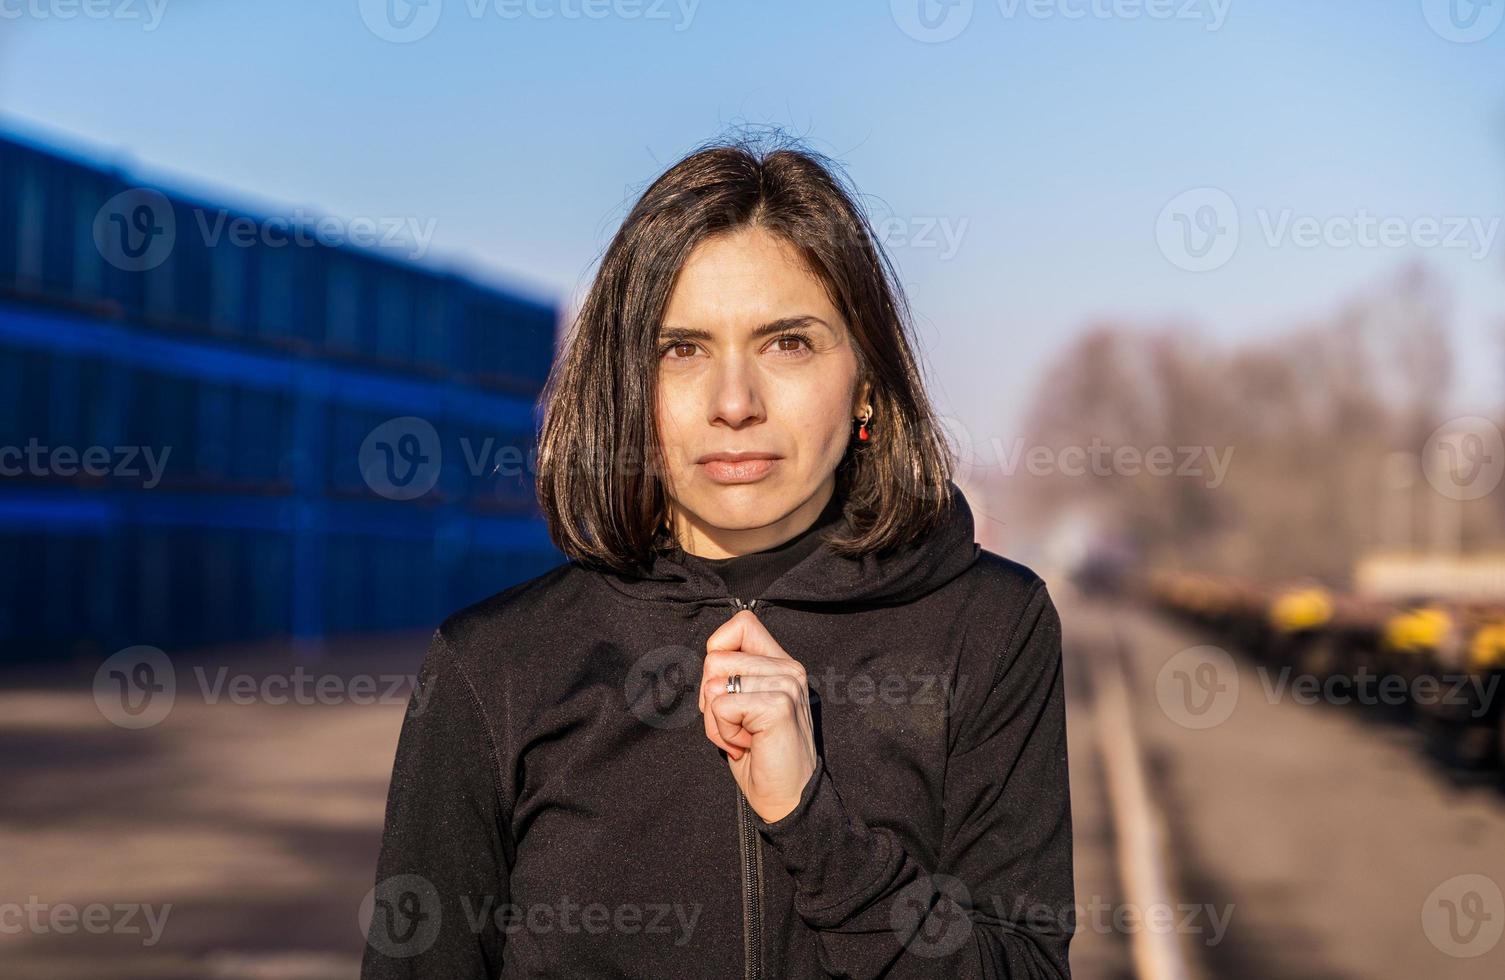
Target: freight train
[(1437, 663)]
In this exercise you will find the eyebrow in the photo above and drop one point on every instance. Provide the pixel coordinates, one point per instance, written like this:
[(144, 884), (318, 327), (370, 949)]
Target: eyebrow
[(772, 327)]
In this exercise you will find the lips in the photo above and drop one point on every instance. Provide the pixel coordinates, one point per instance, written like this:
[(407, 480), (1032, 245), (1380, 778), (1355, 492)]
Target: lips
[(736, 457), (730, 468)]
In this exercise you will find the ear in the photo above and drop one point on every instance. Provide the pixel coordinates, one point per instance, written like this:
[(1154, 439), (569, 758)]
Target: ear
[(864, 397)]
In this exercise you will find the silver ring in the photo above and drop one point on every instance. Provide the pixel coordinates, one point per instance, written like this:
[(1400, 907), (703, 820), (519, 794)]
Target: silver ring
[(734, 684)]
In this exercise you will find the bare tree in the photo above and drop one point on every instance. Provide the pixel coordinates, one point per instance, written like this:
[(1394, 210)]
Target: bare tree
[(1304, 419)]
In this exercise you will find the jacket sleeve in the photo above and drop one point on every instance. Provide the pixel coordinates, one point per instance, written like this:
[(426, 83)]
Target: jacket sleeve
[(442, 872), (1001, 902)]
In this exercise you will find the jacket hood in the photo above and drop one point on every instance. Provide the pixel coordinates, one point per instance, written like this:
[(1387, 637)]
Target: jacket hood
[(823, 577)]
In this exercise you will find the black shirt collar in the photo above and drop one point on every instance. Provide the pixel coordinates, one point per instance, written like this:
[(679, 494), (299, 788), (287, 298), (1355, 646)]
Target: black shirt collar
[(748, 576)]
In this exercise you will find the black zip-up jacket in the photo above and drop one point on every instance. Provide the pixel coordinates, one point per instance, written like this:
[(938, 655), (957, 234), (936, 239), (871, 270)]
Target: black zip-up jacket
[(556, 809)]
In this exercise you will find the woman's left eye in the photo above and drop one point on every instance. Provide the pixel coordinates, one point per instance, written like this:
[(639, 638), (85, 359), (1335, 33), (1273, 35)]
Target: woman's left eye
[(796, 338)]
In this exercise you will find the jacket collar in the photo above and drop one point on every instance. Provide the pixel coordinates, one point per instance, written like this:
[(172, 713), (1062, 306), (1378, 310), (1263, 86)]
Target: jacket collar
[(823, 577)]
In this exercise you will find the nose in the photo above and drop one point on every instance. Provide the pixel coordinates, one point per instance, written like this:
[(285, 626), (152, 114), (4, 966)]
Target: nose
[(736, 398)]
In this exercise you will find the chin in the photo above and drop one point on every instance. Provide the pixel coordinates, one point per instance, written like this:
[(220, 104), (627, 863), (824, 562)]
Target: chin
[(742, 507)]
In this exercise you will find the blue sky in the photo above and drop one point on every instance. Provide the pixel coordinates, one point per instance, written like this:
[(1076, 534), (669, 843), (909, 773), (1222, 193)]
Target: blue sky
[(1025, 164)]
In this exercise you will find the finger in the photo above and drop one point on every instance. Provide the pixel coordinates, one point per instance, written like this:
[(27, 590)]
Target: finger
[(716, 668), (792, 687), (737, 718), (745, 632), (731, 729), (741, 716), (723, 727)]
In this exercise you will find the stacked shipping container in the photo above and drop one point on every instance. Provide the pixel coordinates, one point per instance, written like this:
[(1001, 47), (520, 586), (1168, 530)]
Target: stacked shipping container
[(195, 444)]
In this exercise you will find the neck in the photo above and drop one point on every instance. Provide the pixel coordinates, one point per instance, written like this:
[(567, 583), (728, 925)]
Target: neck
[(706, 541)]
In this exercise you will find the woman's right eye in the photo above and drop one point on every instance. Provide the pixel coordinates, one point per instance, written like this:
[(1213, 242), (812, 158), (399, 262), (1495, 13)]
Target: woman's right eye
[(671, 348)]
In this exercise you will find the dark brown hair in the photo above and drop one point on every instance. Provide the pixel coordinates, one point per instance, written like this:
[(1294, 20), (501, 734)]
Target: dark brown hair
[(599, 457)]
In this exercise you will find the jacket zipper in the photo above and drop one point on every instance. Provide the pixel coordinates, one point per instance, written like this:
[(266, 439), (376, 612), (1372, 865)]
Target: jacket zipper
[(752, 872)]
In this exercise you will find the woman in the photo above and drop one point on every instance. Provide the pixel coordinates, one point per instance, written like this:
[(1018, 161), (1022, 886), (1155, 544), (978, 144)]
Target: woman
[(778, 715)]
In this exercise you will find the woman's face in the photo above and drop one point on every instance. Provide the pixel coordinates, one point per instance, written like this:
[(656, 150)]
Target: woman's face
[(753, 359)]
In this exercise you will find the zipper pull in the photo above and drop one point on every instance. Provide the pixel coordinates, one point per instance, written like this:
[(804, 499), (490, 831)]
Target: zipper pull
[(750, 604)]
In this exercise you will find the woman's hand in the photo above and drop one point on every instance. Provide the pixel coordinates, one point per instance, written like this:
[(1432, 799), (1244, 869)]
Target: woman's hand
[(766, 728)]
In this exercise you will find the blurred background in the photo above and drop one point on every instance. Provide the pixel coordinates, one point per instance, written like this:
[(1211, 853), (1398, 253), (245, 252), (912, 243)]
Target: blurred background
[(1211, 298)]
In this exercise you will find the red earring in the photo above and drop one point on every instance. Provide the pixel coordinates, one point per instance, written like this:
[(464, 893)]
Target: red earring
[(862, 431)]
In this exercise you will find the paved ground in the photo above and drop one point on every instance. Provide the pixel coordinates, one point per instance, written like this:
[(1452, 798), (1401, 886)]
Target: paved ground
[(258, 823), (1304, 840), (1339, 847), (1099, 949)]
